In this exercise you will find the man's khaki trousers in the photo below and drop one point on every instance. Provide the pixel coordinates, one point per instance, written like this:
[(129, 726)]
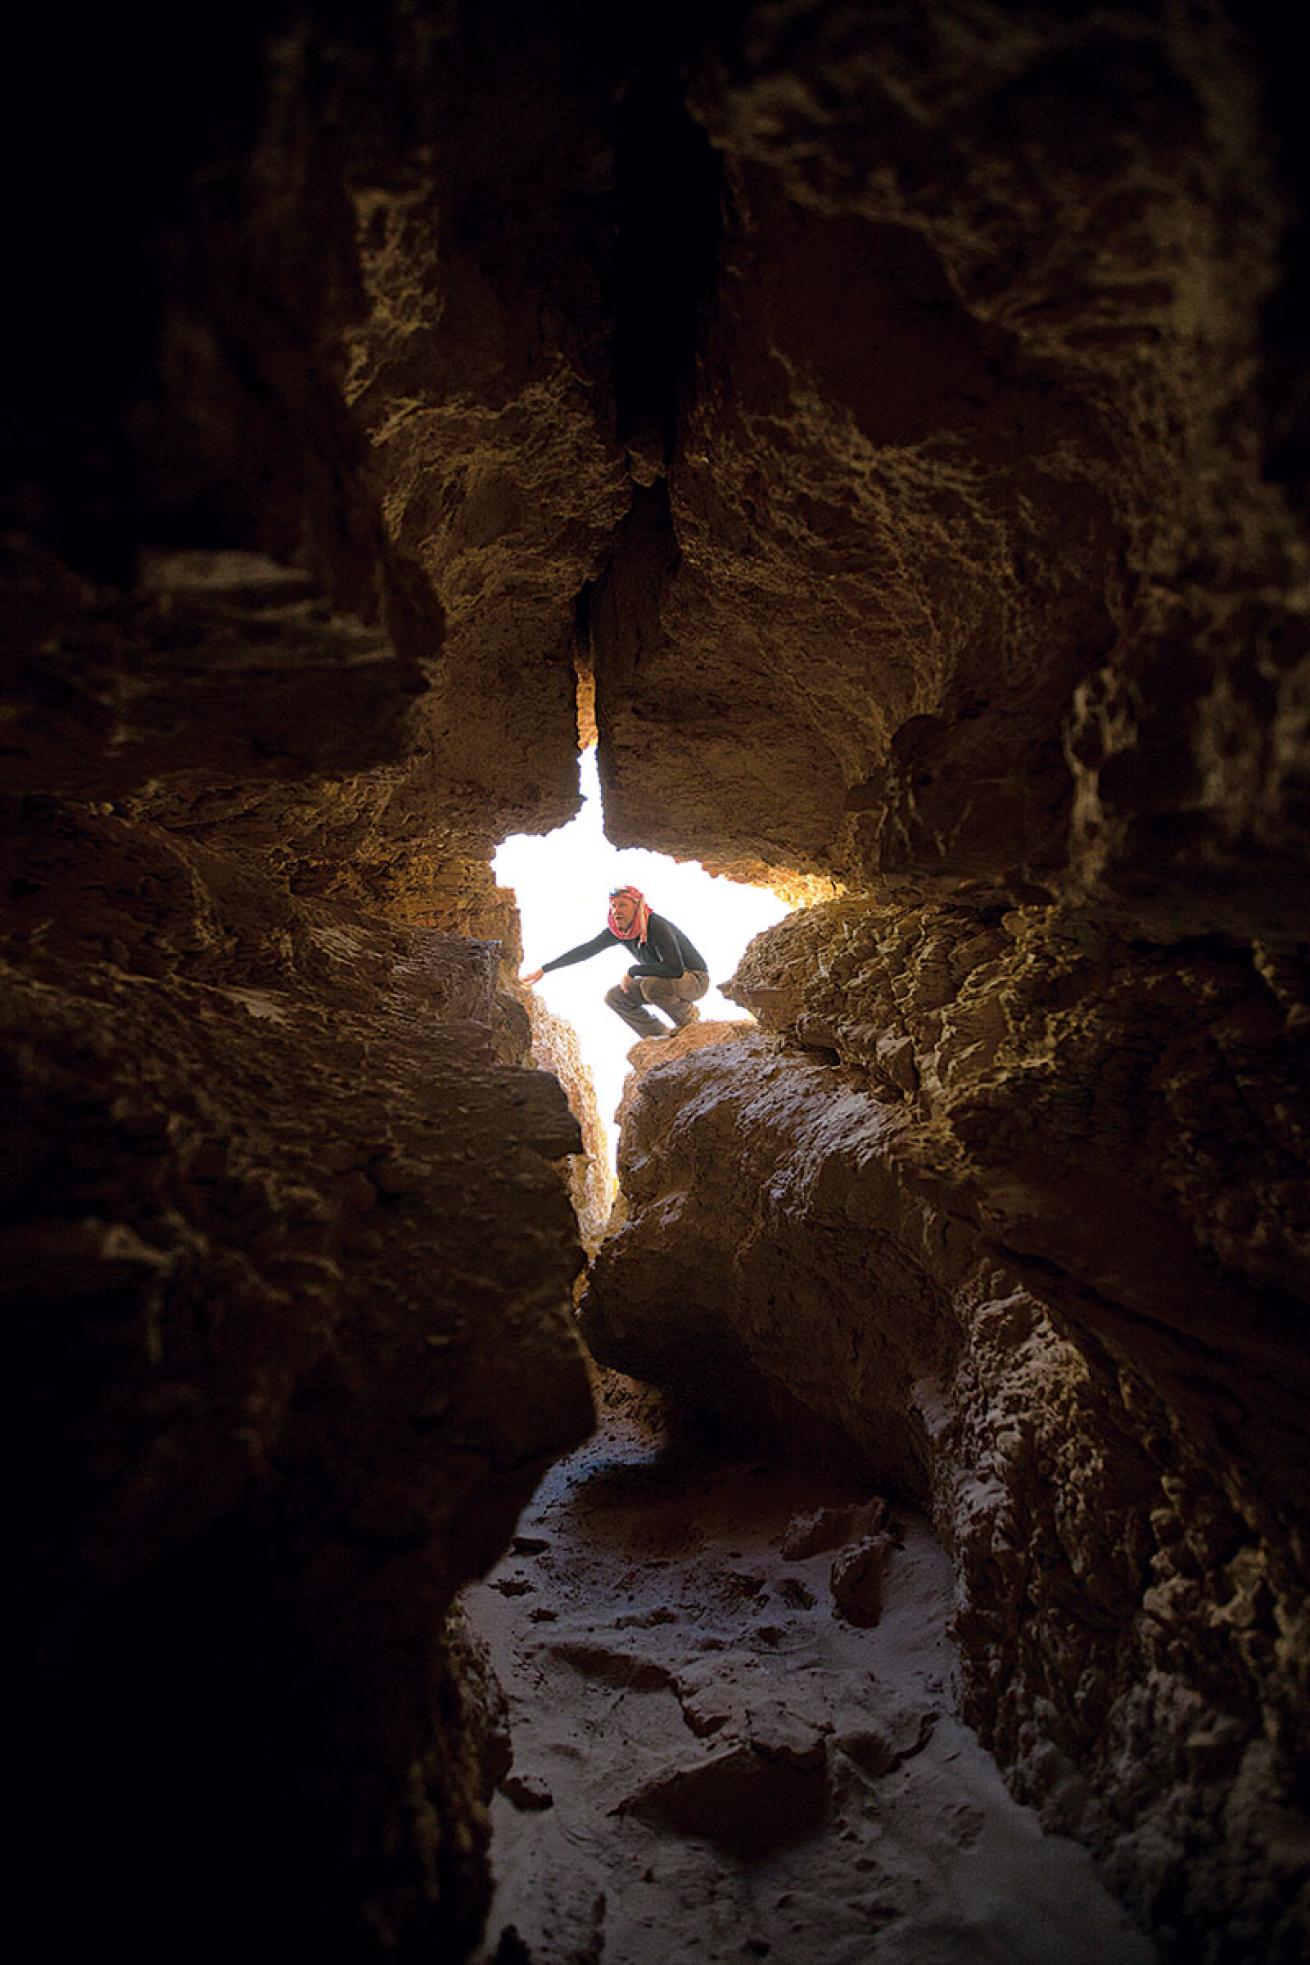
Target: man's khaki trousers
[(675, 995)]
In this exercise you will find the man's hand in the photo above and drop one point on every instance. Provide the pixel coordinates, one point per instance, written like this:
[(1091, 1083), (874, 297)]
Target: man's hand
[(535, 977), (629, 986)]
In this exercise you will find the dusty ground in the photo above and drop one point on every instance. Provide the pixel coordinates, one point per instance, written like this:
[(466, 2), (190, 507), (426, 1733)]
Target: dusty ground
[(712, 1764)]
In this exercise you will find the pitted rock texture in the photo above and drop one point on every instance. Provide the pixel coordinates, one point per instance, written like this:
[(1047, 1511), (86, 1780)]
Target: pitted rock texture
[(290, 1249), (555, 1048), (1066, 1073), (288, 1261), (712, 1760), (480, 374), (895, 411), (648, 1052), (972, 474), (368, 342), (807, 1243)]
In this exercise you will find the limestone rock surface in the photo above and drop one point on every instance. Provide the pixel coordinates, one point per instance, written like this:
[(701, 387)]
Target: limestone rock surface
[(1099, 1404), (897, 414), (366, 345), (685, 1691), (555, 1048), (285, 1247), (976, 582), (979, 552), (303, 472)]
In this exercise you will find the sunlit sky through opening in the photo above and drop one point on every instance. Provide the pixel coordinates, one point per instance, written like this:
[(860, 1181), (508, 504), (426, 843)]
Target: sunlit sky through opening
[(563, 879)]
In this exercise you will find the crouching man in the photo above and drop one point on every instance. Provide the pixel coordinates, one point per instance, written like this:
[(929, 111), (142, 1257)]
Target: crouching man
[(669, 971)]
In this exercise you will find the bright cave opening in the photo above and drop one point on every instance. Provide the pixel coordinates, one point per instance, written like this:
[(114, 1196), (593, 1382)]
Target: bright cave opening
[(562, 881)]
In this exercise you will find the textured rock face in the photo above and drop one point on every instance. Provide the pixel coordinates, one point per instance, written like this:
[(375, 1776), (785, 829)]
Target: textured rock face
[(365, 336), (1063, 1074), (289, 1249), (1120, 1495), (285, 1247), (901, 408), (969, 549), (480, 375), (976, 580), (555, 1049)]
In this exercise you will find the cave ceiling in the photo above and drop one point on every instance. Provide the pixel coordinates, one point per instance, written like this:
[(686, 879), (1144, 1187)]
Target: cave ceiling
[(890, 406)]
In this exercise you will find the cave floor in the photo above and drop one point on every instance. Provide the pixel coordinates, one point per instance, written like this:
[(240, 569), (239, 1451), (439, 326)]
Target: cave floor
[(711, 1764)]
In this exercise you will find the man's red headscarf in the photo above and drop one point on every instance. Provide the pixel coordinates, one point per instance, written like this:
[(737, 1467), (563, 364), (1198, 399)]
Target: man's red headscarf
[(640, 920)]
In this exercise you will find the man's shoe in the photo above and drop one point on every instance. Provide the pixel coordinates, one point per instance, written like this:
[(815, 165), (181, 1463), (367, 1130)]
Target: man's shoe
[(690, 1015)]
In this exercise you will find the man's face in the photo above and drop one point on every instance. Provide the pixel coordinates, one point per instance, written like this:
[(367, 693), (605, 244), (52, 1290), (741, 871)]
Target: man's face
[(624, 909)]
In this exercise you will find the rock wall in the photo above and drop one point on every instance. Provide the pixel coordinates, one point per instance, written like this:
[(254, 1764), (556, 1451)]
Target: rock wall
[(985, 467), (895, 415), (555, 1048), (976, 578), (288, 1247), (285, 1245), (363, 334), (966, 1220)]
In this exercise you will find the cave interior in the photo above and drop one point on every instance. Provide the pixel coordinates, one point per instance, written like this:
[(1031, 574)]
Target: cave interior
[(885, 427)]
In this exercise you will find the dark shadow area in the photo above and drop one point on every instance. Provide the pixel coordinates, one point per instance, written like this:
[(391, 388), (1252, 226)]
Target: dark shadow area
[(668, 181)]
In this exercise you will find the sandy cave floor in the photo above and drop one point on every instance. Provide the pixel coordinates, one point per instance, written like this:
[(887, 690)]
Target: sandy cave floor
[(710, 1764)]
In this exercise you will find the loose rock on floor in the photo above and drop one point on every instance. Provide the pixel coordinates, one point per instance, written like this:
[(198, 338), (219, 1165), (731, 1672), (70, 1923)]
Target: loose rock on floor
[(711, 1762)]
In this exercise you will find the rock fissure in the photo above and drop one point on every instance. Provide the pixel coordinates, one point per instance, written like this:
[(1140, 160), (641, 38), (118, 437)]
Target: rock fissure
[(880, 428)]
